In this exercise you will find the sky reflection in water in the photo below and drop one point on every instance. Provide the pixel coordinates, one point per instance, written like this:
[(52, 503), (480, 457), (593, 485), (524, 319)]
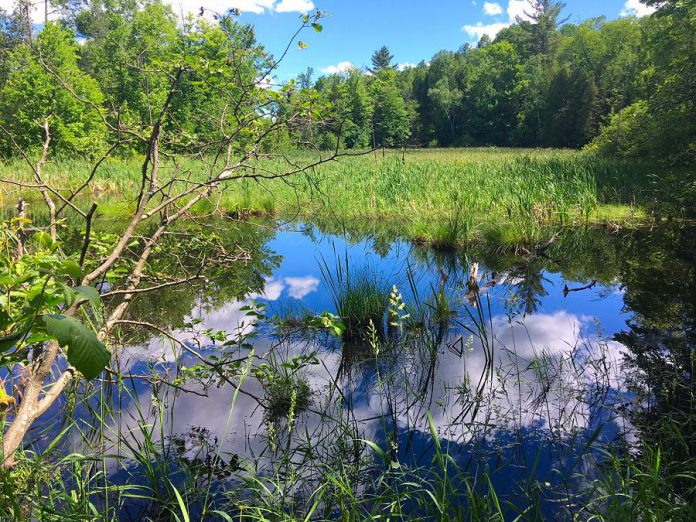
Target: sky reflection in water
[(524, 405)]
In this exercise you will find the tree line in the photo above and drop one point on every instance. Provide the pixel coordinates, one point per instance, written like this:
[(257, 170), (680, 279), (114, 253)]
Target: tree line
[(625, 87)]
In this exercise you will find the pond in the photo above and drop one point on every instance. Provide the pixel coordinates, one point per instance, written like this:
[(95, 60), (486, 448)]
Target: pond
[(519, 381)]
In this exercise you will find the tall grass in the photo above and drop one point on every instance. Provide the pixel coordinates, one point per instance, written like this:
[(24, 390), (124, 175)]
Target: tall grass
[(446, 197), (360, 296)]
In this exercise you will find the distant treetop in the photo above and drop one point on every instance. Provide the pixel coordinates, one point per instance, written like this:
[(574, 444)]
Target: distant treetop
[(382, 59)]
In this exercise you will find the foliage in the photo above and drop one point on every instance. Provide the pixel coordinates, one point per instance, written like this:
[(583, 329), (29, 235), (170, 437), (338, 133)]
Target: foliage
[(32, 96), (155, 76), (129, 48), (382, 59), (540, 82), (287, 392), (360, 297), (661, 124), (390, 116), (36, 287)]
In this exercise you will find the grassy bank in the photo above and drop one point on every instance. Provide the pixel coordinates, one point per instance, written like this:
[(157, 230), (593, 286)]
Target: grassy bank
[(443, 197)]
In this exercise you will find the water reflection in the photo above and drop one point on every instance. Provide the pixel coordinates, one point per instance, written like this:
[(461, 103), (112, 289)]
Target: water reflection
[(567, 350)]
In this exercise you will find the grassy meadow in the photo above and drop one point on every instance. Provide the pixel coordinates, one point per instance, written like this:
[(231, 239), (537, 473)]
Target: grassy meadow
[(444, 197)]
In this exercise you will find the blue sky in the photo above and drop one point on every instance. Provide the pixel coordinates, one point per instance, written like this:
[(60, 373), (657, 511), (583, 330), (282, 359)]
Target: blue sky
[(412, 30)]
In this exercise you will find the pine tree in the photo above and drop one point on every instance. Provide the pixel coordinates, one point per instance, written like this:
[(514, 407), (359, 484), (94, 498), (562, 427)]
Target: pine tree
[(381, 59), (540, 24)]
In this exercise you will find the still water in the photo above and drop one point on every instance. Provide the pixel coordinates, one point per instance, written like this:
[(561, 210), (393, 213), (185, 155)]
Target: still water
[(554, 358)]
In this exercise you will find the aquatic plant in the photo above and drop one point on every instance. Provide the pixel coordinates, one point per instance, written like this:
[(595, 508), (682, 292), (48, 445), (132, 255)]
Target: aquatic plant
[(360, 296), (287, 391), (475, 452)]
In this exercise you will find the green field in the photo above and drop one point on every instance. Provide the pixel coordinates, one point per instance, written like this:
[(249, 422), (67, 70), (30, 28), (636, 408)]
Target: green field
[(445, 197)]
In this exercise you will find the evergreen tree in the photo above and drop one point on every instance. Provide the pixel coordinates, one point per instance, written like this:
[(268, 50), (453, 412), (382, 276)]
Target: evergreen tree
[(305, 80), (540, 24), (382, 59)]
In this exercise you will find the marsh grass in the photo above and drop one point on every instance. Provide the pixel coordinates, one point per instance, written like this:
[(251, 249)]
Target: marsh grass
[(445, 197), (447, 233), (360, 296)]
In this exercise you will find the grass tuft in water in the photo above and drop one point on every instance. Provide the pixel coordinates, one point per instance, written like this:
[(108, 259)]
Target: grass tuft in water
[(360, 297), (286, 388)]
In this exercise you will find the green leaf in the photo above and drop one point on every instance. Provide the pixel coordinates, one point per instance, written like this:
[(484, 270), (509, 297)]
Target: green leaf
[(433, 431), (81, 293), (378, 451), (317, 27), (88, 293), (12, 281), (5, 319), (182, 504), (71, 268), (85, 351), (44, 239)]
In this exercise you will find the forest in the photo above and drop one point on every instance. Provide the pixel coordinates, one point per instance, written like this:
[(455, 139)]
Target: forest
[(621, 87), (457, 290)]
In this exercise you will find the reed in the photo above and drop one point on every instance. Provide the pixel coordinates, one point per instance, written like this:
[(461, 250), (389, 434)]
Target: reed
[(445, 197), (360, 297)]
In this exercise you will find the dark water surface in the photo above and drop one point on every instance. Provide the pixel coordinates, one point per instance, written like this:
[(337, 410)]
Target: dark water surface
[(563, 353)]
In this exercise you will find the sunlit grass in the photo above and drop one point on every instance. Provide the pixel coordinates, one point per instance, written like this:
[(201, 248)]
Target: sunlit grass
[(444, 197), (360, 297)]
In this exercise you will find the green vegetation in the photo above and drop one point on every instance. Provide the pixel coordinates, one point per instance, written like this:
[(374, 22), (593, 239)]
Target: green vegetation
[(34, 101), (141, 379), (441, 197), (166, 473), (624, 87), (287, 391), (359, 295)]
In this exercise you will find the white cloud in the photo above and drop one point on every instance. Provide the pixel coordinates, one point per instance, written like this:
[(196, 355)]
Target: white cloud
[(480, 29), (299, 287), (405, 65), (492, 8), (294, 6), (636, 8), (339, 68), (515, 9), (271, 291), (518, 8)]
